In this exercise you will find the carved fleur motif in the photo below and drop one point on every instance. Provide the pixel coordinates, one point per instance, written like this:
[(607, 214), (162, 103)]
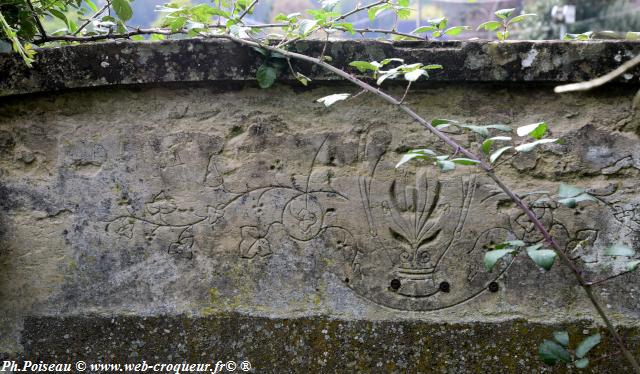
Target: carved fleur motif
[(253, 242), (122, 226), (161, 204), (184, 246), (214, 214)]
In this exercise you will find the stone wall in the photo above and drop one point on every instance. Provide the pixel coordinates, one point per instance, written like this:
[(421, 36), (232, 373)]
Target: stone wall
[(156, 205)]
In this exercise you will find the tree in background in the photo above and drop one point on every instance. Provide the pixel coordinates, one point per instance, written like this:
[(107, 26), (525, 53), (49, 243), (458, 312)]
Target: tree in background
[(591, 15)]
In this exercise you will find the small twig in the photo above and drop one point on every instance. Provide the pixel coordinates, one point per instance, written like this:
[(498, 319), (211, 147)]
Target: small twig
[(592, 283), (324, 47), (96, 15), (358, 9), (390, 32), (585, 86), (246, 11), (43, 34), (358, 94), (406, 91), (603, 357)]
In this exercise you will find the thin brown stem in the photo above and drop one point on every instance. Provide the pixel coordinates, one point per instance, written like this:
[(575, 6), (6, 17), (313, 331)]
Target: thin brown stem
[(96, 15), (43, 34), (406, 91), (585, 86), (246, 11), (490, 173), (593, 283), (359, 9)]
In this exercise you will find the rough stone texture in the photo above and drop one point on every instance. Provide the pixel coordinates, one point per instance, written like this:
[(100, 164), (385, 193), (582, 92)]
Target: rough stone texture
[(117, 63), (214, 209)]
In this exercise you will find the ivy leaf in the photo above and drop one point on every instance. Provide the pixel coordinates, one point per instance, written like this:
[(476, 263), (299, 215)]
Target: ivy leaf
[(455, 30), (329, 100), (536, 130), (122, 9), (528, 147), (521, 17), (489, 26), (582, 363), (495, 155), (266, 75), (586, 345), (551, 352), (619, 250), (542, 257), (486, 145), (561, 337), (492, 257), (504, 13)]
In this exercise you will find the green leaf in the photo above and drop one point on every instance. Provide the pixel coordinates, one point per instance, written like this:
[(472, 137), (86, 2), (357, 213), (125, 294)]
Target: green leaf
[(528, 147), (456, 30), (413, 75), (586, 345), (421, 154), (432, 67), (566, 190), (582, 363), (619, 250), (374, 11), (122, 9), (542, 257), (157, 37), (303, 78), (58, 14), (521, 17), (632, 265), (561, 337), (306, 25), (437, 34), (137, 37), (389, 60), (536, 130), (465, 161), (446, 165), (388, 74), (495, 155), (442, 121), (266, 75), (363, 66), (423, 29), (482, 130), (329, 100), (633, 35), (504, 13), (489, 26), (486, 145), (91, 5), (492, 257), (551, 352)]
